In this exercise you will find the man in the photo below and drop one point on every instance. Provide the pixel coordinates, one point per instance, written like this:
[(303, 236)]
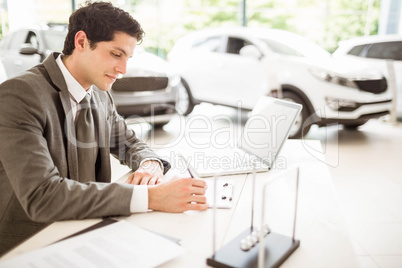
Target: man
[(43, 174)]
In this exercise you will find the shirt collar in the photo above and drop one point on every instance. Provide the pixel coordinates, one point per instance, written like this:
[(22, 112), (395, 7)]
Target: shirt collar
[(74, 88)]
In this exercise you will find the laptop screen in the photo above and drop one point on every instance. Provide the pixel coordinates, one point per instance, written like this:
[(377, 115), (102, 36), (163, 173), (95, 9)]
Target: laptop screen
[(268, 127)]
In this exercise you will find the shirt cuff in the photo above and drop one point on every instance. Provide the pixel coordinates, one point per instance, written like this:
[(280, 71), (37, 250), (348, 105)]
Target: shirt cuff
[(139, 199)]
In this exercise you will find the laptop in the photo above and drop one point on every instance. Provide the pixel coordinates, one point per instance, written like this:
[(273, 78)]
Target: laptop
[(259, 144)]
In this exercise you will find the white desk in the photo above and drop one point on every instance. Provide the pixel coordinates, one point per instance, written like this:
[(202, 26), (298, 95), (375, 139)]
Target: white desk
[(324, 240)]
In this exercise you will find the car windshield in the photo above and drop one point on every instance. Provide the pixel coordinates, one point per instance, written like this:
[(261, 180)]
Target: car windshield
[(295, 46), (55, 40)]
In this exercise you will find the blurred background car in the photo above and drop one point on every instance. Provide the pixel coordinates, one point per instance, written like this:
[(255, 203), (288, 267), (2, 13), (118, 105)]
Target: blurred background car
[(235, 66), (150, 91), (375, 51), (22, 49)]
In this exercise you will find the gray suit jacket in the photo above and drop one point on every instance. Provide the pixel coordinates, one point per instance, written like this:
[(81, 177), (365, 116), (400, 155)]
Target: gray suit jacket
[(39, 180)]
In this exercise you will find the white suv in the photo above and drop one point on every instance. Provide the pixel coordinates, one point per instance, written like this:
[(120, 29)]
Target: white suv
[(235, 66)]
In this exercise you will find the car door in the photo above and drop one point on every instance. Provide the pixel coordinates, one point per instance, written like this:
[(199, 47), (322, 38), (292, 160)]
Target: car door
[(244, 78), (14, 62), (201, 67)]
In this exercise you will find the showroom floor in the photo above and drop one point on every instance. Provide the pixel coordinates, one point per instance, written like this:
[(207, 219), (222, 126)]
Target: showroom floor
[(366, 168), (368, 182)]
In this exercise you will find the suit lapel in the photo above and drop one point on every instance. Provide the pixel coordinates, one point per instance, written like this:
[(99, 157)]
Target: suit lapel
[(59, 84)]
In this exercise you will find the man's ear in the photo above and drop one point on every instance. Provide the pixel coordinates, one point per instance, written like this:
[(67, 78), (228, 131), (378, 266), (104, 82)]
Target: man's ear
[(81, 40)]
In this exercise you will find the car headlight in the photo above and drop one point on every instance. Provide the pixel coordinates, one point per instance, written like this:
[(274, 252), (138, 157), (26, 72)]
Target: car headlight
[(326, 76)]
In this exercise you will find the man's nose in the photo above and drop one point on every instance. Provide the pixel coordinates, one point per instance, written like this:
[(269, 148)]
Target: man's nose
[(122, 67)]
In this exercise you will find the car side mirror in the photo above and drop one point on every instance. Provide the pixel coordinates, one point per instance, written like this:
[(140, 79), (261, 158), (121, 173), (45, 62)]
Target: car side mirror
[(250, 51), (28, 49)]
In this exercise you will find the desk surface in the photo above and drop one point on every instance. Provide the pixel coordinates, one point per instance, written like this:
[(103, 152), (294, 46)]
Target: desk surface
[(324, 239)]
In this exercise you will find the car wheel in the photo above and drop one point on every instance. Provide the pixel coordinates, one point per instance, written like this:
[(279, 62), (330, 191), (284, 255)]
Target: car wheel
[(300, 127), (184, 104)]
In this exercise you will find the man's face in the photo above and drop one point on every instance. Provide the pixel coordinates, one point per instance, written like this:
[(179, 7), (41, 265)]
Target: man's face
[(102, 65)]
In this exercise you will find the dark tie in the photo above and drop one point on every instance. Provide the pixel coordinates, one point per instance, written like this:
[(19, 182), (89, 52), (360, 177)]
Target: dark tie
[(85, 132)]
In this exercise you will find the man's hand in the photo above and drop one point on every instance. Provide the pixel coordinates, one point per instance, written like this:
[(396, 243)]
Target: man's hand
[(178, 195), (150, 172)]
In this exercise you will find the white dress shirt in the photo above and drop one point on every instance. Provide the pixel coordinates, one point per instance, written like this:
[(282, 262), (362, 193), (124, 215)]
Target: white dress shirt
[(139, 198)]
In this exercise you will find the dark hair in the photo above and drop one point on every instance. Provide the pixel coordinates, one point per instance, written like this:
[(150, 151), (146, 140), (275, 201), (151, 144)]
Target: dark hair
[(100, 21)]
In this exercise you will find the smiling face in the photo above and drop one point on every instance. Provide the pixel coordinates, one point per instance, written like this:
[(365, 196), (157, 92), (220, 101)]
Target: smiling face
[(102, 64)]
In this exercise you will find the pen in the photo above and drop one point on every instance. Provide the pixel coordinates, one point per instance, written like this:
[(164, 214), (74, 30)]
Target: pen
[(187, 164), (191, 174)]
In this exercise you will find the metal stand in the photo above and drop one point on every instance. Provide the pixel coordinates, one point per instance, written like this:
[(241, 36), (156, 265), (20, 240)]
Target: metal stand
[(256, 248)]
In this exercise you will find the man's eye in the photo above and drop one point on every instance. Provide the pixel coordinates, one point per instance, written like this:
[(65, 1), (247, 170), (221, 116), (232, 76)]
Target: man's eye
[(116, 55)]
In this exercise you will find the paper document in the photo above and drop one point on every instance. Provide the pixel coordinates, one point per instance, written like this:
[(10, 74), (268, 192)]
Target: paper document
[(120, 244), (224, 192), (224, 188)]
